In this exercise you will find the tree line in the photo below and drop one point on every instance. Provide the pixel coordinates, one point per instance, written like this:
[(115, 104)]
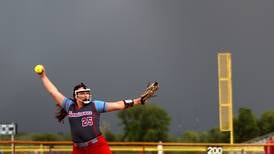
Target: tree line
[(246, 127), (150, 123)]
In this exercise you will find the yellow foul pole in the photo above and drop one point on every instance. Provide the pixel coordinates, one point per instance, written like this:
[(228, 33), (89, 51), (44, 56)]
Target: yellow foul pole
[(225, 93)]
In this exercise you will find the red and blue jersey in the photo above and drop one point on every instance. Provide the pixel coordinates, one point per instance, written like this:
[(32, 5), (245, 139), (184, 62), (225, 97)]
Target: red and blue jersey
[(84, 122)]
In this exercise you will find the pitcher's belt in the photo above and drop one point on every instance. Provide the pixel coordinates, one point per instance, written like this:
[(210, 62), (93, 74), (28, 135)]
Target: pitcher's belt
[(85, 144)]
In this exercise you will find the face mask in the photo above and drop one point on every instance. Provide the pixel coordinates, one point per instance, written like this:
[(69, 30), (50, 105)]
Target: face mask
[(85, 101)]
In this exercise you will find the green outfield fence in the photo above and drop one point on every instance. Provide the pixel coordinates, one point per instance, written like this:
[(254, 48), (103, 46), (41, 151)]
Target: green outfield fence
[(65, 147)]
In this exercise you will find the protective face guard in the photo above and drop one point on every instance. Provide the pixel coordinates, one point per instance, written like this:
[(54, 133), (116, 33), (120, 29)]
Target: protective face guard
[(82, 90)]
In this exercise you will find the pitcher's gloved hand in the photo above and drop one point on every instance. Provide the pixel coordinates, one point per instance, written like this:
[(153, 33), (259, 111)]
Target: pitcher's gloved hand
[(149, 91)]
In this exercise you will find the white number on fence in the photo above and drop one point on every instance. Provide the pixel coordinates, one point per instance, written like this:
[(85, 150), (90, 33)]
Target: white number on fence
[(214, 150)]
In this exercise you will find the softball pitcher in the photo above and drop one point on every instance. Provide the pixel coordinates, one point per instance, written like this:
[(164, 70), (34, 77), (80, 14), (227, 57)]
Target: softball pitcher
[(84, 111)]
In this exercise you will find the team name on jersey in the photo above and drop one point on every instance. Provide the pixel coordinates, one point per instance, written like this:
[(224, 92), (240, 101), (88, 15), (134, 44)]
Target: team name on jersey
[(79, 114)]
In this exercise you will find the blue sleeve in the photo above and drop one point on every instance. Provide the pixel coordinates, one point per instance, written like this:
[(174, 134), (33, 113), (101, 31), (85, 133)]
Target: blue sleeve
[(100, 106), (66, 103)]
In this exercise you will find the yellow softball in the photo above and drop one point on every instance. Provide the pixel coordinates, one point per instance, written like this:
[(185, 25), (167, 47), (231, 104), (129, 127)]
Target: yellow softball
[(38, 69)]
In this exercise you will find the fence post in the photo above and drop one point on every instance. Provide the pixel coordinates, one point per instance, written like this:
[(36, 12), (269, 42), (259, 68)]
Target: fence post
[(243, 151), (12, 145), (41, 148), (160, 148), (143, 150)]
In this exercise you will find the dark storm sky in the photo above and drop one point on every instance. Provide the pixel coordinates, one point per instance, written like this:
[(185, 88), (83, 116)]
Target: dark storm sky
[(117, 46)]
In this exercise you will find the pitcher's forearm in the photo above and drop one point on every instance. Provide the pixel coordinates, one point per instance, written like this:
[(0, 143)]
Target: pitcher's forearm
[(52, 90), (49, 86)]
